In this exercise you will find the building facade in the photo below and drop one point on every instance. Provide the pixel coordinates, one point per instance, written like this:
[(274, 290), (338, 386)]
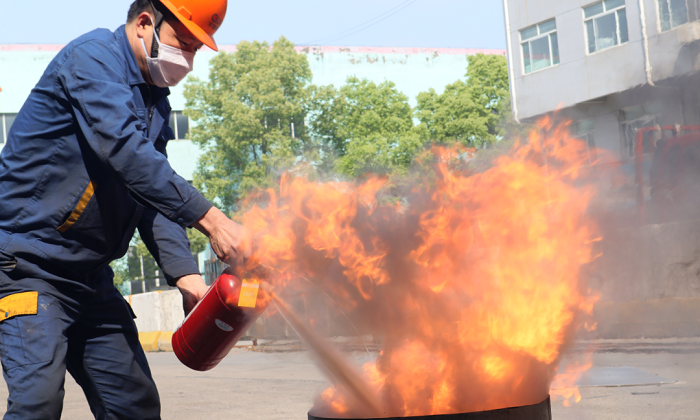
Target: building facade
[(611, 66)]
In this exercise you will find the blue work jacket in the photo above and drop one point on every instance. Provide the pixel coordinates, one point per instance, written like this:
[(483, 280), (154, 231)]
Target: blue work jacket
[(85, 165)]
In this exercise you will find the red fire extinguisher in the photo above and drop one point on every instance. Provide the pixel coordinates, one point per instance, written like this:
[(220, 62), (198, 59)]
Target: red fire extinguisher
[(219, 320)]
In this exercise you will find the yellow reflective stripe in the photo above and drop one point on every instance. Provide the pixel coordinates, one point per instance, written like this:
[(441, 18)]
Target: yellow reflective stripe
[(87, 195), (18, 304)]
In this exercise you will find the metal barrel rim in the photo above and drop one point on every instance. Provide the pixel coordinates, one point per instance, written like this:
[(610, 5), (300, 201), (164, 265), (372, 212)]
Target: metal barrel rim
[(540, 411)]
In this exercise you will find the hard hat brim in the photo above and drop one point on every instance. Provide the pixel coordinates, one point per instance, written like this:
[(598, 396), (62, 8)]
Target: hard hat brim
[(196, 31)]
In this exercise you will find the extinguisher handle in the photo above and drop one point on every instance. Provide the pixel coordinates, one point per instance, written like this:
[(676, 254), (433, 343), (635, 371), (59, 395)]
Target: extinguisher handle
[(259, 272)]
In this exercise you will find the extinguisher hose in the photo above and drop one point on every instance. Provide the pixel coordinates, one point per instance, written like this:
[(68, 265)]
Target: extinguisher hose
[(342, 374), (369, 356)]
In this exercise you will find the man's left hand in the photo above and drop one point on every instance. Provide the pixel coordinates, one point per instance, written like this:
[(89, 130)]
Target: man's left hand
[(193, 288)]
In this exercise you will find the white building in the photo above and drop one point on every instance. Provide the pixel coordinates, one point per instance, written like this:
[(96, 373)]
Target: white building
[(612, 66)]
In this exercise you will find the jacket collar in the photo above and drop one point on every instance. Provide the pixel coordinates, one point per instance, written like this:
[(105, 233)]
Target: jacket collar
[(133, 71)]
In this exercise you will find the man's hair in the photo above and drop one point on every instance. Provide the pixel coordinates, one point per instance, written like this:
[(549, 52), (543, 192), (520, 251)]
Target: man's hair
[(138, 7)]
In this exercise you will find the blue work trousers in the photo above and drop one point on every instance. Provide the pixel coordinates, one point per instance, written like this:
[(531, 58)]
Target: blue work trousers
[(94, 338)]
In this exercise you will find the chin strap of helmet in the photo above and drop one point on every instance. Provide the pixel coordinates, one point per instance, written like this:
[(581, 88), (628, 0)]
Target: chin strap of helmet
[(158, 15)]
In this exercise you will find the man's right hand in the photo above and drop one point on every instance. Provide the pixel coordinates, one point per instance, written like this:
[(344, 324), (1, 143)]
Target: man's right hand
[(231, 242)]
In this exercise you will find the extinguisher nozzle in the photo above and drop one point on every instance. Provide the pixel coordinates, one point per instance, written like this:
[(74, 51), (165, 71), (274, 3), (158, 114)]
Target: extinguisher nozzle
[(267, 287)]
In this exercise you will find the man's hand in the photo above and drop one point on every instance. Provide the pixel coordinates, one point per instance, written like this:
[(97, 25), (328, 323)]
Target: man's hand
[(231, 242), (192, 288)]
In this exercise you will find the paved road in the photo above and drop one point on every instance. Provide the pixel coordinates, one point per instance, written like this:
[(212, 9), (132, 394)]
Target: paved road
[(251, 385), (678, 401)]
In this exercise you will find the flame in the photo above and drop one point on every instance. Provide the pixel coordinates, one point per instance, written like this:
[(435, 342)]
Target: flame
[(563, 386), (471, 279), (338, 403)]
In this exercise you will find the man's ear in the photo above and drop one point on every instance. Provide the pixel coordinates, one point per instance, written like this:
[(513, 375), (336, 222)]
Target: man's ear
[(144, 25)]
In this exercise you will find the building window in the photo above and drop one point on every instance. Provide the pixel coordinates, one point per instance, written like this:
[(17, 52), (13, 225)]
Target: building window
[(6, 121), (672, 13), (585, 130), (179, 123), (540, 46), (606, 24), (635, 118)]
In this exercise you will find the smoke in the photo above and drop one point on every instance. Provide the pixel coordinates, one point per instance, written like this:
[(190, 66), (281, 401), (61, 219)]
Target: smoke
[(646, 208), (470, 280)]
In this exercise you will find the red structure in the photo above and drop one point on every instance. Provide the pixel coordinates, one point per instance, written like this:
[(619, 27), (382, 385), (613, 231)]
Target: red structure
[(661, 164)]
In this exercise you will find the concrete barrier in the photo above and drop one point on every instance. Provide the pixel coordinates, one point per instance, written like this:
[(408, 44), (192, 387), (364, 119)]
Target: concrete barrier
[(149, 340), (158, 314), (165, 341)]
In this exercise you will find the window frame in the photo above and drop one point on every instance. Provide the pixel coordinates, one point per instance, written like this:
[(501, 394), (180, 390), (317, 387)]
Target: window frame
[(658, 14), (3, 126), (587, 136), (174, 115), (539, 35), (605, 12), (5, 129)]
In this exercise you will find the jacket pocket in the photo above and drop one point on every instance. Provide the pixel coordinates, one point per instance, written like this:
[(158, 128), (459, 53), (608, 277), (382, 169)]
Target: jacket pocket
[(79, 208), (24, 338), (16, 304)]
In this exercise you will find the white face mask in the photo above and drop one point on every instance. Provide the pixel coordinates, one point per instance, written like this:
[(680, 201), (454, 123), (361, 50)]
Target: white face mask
[(171, 65)]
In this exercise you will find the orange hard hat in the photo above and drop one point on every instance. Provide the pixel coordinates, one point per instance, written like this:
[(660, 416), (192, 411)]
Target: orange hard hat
[(201, 17)]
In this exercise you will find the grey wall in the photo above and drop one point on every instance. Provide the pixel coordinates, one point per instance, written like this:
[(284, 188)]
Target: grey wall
[(607, 131), (649, 262)]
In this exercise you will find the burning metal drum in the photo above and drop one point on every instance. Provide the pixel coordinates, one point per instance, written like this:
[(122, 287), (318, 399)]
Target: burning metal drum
[(541, 411)]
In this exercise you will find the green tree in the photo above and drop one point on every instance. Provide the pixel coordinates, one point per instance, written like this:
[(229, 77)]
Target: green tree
[(249, 117), (198, 242), (120, 268), (129, 267), (140, 261), (472, 111), (368, 127)]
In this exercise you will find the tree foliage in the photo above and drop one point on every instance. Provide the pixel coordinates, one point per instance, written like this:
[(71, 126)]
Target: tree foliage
[(198, 241), (120, 268), (258, 114), (470, 111), (249, 117), (129, 267), (369, 127)]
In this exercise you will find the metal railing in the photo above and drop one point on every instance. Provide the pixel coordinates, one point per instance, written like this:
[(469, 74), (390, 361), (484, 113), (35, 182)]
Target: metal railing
[(639, 157)]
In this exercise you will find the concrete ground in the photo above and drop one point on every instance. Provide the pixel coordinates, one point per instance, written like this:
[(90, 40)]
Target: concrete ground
[(253, 385), (680, 400)]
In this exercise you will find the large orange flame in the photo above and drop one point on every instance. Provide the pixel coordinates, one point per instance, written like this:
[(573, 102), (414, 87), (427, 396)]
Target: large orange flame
[(472, 280)]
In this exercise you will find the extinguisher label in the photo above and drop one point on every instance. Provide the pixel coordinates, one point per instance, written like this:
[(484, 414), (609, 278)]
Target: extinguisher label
[(249, 294), (224, 326)]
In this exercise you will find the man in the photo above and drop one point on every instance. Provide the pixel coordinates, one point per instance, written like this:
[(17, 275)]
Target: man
[(84, 166)]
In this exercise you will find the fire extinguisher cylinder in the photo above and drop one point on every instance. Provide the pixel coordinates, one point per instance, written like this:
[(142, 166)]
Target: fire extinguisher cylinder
[(222, 316)]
